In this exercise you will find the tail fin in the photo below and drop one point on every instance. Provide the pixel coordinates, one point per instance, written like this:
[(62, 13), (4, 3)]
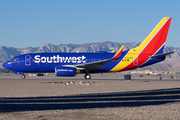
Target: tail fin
[(154, 42), (151, 46)]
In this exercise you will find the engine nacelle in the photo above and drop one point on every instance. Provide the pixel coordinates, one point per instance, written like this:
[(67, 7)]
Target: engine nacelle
[(65, 71)]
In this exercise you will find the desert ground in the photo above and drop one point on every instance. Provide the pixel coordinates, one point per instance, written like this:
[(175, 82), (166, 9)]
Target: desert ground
[(104, 97)]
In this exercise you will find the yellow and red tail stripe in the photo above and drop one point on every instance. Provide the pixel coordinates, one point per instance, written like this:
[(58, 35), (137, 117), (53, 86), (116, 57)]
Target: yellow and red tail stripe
[(150, 46)]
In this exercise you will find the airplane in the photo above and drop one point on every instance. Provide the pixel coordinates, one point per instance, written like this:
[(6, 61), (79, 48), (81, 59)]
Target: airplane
[(150, 51), (155, 74)]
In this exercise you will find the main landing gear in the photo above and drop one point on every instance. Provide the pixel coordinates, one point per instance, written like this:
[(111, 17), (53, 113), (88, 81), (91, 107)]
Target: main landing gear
[(87, 76), (23, 76)]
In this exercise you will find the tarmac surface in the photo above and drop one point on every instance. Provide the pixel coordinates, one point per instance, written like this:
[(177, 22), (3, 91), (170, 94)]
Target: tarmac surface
[(101, 98)]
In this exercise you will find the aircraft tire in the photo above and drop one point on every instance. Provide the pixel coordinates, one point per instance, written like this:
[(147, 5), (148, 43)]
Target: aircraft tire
[(23, 76), (87, 76)]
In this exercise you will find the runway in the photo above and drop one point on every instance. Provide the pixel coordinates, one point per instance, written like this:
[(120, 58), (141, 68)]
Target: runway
[(101, 98)]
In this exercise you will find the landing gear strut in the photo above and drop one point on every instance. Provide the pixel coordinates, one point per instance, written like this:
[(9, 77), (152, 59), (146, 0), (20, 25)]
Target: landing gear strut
[(87, 76), (23, 76)]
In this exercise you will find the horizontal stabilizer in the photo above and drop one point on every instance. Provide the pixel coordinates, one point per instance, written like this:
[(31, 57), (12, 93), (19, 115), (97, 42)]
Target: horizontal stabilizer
[(161, 55)]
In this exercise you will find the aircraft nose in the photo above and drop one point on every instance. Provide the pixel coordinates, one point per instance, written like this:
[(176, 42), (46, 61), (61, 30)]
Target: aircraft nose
[(6, 65)]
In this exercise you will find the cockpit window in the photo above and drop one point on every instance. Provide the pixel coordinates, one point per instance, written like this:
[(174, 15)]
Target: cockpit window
[(14, 59)]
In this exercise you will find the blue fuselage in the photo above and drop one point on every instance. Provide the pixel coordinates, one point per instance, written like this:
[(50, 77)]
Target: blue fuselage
[(47, 62)]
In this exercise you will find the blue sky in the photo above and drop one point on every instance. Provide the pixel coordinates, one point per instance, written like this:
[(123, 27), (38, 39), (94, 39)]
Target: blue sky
[(25, 23)]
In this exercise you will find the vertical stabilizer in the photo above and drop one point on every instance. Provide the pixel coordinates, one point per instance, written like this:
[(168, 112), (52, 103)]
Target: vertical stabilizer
[(156, 39), (152, 45)]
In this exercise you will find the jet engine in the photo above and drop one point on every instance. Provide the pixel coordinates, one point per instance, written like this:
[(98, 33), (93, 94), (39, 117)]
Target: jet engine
[(65, 71)]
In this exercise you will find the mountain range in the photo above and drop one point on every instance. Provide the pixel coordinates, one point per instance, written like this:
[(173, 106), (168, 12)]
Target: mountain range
[(172, 63)]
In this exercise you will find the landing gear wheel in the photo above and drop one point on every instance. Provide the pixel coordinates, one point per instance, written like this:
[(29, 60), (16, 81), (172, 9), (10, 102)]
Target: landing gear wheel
[(23, 76), (87, 76)]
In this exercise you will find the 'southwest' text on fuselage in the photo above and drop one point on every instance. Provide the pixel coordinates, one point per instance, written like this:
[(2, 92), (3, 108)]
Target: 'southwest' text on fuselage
[(59, 59)]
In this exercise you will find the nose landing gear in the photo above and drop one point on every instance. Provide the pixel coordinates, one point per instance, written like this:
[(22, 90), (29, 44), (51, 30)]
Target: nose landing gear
[(87, 76)]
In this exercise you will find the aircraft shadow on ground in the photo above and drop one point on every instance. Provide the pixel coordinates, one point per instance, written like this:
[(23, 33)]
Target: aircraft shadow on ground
[(86, 101)]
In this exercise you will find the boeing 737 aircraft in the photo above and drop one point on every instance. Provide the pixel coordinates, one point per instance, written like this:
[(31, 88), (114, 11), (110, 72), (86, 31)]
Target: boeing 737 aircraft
[(150, 51)]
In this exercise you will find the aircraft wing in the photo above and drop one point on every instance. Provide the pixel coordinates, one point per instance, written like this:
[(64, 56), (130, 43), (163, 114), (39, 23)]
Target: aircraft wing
[(92, 65), (97, 64)]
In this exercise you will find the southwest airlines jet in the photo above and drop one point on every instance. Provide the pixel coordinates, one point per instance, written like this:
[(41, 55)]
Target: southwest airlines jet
[(150, 51)]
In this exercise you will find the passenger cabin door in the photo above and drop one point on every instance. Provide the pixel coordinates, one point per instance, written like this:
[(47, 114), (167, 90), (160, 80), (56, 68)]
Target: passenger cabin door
[(135, 62), (27, 60)]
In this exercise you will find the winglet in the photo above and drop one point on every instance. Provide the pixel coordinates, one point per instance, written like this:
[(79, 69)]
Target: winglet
[(118, 53), (112, 51)]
